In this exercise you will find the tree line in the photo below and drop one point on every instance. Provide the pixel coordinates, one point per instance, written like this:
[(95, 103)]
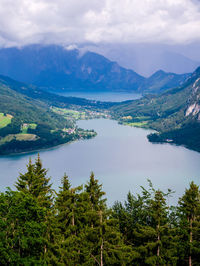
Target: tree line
[(74, 226)]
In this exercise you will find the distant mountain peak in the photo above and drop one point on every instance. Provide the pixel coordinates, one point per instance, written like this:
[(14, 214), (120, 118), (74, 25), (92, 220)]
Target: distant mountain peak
[(58, 67), (161, 81)]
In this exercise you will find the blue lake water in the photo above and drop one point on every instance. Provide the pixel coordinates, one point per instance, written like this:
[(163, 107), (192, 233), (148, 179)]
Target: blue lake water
[(121, 158), (104, 96)]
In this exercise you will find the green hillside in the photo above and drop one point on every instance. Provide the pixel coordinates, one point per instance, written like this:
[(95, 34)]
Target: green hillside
[(175, 114), (25, 108), (27, 121)]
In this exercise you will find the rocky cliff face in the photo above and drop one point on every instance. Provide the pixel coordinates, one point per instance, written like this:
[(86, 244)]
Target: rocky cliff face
[(193, 106)]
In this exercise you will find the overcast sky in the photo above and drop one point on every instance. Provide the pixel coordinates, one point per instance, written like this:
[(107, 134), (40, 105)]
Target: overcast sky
[(77, 21)]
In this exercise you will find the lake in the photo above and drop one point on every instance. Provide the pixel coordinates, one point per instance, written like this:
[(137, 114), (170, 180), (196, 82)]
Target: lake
[(121, 158), (103, 96)]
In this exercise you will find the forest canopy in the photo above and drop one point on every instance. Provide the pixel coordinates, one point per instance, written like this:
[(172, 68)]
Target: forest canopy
[(74, 226)]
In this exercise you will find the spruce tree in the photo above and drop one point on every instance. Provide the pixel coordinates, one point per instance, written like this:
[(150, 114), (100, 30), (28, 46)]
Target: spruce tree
[(145, 225), (189, 232), (105, 241), (36, 183), (22, 229), (70, 206), (26, 181)]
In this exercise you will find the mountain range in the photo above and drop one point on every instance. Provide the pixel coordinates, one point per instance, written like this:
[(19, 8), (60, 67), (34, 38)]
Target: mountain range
[(61, 69), (147, 58)]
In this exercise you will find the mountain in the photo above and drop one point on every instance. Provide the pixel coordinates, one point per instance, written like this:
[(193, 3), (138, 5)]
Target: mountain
[(55, 67), (175, 114), (161, 81), (25, 123), (147, 58), (29, 121), (48, 98), (17, 104)]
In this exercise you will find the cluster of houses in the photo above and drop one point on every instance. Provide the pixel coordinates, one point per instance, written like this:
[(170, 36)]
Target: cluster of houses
[(69, 130)]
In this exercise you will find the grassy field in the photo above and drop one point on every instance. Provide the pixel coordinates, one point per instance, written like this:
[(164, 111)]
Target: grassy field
[(68, 113), (137, 124), (142, 118), (20, 137), (25, 127), (5, 120)]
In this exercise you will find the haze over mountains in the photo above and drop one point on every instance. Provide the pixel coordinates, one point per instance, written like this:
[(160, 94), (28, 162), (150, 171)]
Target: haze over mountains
[(59, 68), (147, 58)]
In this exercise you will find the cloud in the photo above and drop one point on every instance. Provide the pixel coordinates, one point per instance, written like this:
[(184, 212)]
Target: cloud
[(74, 21)]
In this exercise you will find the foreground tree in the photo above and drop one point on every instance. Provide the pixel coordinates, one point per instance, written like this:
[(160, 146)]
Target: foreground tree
[(77, 228), (103, 235), (22, 229), (71, 221), (189, 228), (145, 224), (36, 183)]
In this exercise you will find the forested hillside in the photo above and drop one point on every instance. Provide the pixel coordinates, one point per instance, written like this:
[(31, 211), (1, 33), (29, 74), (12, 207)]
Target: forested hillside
[(36, 93), (175, 114), (160, 81), (28, 122), (74, 226)]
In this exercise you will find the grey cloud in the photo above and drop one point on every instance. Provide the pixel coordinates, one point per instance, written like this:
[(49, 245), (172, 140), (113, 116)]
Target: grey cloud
[(74, 21)]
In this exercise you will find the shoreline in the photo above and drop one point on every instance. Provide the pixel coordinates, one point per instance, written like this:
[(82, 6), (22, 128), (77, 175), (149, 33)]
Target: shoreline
[(73, 141), (41, 149)]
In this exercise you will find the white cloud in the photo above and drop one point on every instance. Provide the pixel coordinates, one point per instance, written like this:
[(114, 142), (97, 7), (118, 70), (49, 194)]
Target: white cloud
[(75, 21), (71, 47)]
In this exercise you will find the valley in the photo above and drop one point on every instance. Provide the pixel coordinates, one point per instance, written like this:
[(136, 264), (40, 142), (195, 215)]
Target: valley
[(50, 119)]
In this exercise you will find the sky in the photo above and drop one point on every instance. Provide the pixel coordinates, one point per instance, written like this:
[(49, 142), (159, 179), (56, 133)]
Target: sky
[(70, 22)]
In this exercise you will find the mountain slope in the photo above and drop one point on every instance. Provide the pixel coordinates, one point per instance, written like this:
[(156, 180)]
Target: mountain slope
[(27, 121), (48, 98), (147, 58), (56, 67), (25, 108), (175, 114), (161, 81)]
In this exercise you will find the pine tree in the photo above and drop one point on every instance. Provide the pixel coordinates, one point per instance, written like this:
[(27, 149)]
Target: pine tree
[(42, 188), (25, 181), (71, 215), (189, 242), (144, 223), (105, 241), (22, 229), (35, 182)]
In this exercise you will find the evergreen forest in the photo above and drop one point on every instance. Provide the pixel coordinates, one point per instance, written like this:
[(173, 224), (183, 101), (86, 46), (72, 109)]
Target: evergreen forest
[(74, 225)]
